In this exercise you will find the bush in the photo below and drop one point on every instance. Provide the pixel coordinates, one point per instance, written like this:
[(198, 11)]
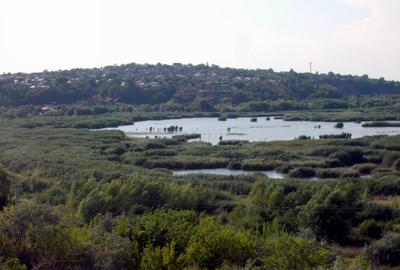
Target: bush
[(232, 142), (186, 163), (12, 264), (5, 185), (365, 168), (327, 174), (348, 157), (323, 151), (302, 172), (350, 174), (160, 152), (384, 251), (384, 186), (390, 158), (339, 125), (396, 165), (336, 136), (304, 137), (153, 145), (284, 251), (222, 118), (186, 137), (117, 149), (113, 157), (259, 165), (234, 165), (212, 244), (284, 168), (381, 124), (369, 228)]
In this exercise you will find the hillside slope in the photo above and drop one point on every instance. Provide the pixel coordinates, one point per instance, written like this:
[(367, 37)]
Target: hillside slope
[(183, 84)]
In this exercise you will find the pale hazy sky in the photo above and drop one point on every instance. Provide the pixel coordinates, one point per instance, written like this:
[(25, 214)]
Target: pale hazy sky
[(344, 36)]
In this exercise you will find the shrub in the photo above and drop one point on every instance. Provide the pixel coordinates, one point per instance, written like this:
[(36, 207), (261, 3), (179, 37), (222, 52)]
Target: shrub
[(117, 149), (284, 168), (234, 165), (385, 251), (350, 174), (339, 125), (365, 168), (390, 158), (230, 154), (380, 124), (186, 137), (332, 163), (12, 264), (396, 165), (5, 185), (212, 244), (153, 145), (304, 137), (336, 136), (113, 157), (384, 186), (369, 228), (259, 165), (186, 162), (327, 174), (232, 142), (222, 118), (160, 152), (323, 151), (302, 172), (284, 251), (348, 157)]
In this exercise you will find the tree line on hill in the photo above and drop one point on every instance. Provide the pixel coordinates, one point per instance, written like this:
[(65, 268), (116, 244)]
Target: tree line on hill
[(200, 85)]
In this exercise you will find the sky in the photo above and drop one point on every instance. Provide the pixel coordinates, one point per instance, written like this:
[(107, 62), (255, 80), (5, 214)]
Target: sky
[(344, 36)]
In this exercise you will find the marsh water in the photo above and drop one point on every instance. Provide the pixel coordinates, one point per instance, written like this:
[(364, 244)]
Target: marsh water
[(228, 172), (212, 130)]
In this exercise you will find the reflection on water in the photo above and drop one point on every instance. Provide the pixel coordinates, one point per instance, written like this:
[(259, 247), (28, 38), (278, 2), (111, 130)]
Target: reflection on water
[(227, 172), (212, 130)]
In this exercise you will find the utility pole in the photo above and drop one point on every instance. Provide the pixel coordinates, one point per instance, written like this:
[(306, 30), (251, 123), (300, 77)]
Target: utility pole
[(310, 67)]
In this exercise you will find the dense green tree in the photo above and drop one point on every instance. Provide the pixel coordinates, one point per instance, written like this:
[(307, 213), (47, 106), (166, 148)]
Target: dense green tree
[(213, 244), (5, 186), (332, 211), (285, 251)]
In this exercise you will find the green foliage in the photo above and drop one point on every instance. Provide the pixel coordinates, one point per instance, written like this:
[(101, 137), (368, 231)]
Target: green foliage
[(38, 236), (212, 244), (190, 87), (396, 165), (138, 194), (302, 172), (370, 228), (348, 157), (80, 210), (12, 264), (5, 186), (331, 212), (285, 251), (384, 251)]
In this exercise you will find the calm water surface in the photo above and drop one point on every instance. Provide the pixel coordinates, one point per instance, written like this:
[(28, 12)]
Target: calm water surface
[(227, 172), (212, 130)]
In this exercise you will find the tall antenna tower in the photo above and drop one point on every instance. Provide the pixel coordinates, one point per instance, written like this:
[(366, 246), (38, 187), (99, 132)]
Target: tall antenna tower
[(310, 67)]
